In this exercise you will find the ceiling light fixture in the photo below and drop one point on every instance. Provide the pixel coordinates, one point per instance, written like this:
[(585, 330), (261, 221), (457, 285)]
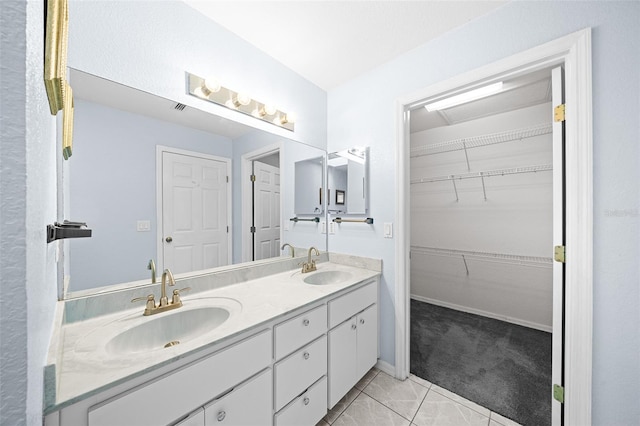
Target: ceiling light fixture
[(465, 97), (211, 90)]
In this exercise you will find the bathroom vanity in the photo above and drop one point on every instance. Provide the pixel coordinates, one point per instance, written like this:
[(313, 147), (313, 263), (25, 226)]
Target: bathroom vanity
[(280, 349)]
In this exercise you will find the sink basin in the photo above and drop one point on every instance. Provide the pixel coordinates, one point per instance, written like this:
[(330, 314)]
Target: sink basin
[(327, 277), (167, 329)]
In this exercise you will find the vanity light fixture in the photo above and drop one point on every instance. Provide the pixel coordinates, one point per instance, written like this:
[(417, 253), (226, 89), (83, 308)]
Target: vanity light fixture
[(465, 97), (211, 90)]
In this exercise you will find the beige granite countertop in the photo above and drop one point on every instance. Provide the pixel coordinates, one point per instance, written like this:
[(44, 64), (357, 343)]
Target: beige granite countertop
[(85, 368)]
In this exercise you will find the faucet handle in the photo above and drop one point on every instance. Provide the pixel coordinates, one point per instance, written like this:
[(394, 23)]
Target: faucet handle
[(151, 302), (176, 295)]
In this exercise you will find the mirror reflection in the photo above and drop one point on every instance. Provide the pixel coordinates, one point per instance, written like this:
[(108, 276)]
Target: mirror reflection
[(347, 181), (156, 180), (308, 195)]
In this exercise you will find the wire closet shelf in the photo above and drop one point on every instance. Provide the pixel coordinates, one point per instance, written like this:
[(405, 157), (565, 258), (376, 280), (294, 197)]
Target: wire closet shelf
[(481, 140), (510, 259)]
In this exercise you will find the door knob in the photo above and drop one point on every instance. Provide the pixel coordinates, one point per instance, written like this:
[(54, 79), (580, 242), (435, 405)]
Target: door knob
[(168, 239)]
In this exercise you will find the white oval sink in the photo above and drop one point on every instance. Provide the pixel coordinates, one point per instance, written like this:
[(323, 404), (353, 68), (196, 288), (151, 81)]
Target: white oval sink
[(327, 277), (134, 335), (167, 329)]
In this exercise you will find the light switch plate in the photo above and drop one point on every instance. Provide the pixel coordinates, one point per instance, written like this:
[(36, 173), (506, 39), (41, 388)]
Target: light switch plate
[(143, 226), (388, 230), (332, 227)]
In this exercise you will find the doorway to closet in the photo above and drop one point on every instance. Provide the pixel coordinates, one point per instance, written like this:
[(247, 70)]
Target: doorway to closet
[(482, 228)]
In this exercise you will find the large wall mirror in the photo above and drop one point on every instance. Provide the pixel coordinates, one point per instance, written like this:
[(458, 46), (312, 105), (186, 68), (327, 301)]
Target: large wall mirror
[(157, 180), (348, 181)]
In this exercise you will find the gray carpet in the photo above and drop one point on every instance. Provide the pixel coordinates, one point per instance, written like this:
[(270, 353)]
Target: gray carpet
[(501, 366)]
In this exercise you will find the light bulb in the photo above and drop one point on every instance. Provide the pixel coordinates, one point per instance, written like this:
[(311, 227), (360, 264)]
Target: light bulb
[(287, 118), (243, 99), (212, 85), (201, 92), (270, 109)]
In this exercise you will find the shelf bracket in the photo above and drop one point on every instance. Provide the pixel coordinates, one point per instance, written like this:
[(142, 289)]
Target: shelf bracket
[(466, 155), (484, 190), (455, 189)]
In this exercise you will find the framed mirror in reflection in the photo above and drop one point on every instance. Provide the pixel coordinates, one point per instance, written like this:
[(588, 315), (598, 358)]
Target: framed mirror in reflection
[(348, 179), (158, 180)]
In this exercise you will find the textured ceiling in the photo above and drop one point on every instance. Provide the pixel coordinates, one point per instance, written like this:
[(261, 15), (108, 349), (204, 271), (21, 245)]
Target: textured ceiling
[(330, 42)]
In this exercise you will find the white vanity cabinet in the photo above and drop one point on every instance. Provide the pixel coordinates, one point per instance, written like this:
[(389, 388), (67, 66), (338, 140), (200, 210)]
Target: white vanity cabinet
[(299, 376), (353, 339), (248, 404), (171, 397)]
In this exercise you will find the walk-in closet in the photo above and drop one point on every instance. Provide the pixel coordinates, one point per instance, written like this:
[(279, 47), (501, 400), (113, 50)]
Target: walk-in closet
[(481, 184)]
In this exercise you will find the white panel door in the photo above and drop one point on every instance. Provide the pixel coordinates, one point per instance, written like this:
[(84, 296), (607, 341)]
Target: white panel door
[(194, 212), (266, 196), (557, 375)]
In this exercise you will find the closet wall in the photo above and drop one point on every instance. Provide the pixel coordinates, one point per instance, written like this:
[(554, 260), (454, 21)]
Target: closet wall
[(481, 216)]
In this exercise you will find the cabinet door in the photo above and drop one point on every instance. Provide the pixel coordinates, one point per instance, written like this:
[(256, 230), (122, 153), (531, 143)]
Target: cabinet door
[(367, 351), (248, 404), (194, 419), (342, 360)]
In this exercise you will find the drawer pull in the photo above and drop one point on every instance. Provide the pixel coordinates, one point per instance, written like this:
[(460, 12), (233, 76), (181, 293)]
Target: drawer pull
[(353, 326), (306, 355), (305, 401), (361, 320), (305, 322), (221, 416)]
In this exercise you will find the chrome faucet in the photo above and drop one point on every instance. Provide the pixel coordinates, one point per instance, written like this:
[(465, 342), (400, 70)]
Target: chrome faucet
[(164, 305), (293, 251), (310, 265)]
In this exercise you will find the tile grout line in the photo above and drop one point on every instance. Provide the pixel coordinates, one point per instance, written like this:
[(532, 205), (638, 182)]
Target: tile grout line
[(385, 405), (420, 406), (345, 408)]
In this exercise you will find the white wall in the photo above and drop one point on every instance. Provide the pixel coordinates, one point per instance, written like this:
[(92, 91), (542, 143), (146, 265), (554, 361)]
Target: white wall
[(150, 44), (360, 115), (27, 204), (515, 219)]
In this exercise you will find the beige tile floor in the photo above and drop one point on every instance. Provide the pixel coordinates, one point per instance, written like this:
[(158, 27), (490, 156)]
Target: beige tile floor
[(379, 399)]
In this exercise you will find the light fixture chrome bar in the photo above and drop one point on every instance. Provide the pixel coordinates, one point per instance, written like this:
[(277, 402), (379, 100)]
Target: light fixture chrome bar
[(211, 91)]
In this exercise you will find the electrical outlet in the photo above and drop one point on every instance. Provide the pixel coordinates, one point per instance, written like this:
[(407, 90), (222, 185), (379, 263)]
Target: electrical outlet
[(323, 227)]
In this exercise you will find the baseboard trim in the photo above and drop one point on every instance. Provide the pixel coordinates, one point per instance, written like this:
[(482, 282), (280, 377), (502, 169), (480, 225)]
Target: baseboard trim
[(385, 367), (480, 312)]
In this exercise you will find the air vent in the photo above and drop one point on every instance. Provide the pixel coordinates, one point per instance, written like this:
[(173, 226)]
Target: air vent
[(180, 107)]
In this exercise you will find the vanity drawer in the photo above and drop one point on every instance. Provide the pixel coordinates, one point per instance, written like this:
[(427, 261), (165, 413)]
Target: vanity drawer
[(248, 404), (299, 370), (344, 307), (298, 331), (307, 409), (170, 397)]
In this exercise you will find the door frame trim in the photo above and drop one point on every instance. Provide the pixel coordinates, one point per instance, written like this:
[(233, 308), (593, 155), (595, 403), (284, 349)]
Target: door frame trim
[(160, 149), (245, 170), (574, 51)]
